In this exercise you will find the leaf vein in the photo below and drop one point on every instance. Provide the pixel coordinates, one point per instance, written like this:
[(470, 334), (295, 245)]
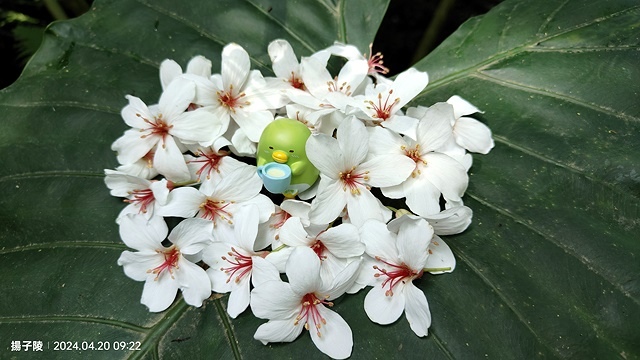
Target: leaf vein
[(582, 259), (511, 305), (64, 244), (72, 104), (563, 97), (292, 33), (201, 31), (68, 318), (52, 173), (551, 16), (228, 328)]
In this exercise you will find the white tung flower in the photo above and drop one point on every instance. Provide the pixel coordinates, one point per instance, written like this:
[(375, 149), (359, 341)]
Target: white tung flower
[(219, 204), (400, 253), (143, 195), (240, 94), (234, 263), (165, 269), (382, 103), (303, 303), (434, 173), (346, 178), (154, 129)]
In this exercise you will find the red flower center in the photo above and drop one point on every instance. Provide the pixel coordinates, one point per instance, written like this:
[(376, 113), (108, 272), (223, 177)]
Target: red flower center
[(415, 155), (171, 257), (351, 179), (382, 110), (375, 62), (231, 101), (157, 127), (397, 274), (210, 162), (142, 198), (309, 312), (214, 210), (239, 263)]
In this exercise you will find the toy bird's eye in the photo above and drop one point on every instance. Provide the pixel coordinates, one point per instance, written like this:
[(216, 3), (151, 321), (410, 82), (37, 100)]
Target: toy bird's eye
[(271, 147), (290, 151)]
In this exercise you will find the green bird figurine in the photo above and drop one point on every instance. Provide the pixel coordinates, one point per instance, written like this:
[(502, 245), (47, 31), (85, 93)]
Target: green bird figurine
[(284, 142)]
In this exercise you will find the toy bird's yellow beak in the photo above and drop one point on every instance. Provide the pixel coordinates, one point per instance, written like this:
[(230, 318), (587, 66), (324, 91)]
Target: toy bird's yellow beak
[(279, 156)]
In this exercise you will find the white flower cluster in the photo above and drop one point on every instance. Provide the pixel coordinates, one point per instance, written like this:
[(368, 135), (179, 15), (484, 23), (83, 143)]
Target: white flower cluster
[(183, 157)]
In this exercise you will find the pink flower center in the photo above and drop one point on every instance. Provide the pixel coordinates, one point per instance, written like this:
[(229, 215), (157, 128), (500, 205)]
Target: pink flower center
[(210, 162), (157, 127), (319, 248), (142, 198), (231, 101), (280, 217), (343, 88), (215, 209), (351, 179), (375, 62), (309, 312), (382, 110), (296, 82), (171, 257), (239, 263), (415, 155), (397, 274)]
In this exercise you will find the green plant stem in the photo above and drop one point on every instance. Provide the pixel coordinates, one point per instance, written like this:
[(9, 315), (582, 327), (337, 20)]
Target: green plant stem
[(436, 269), (428, 41), (55, 9)]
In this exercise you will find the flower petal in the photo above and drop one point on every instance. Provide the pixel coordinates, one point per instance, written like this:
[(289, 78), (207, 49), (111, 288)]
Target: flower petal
[(434, 128), (329, 202), (183, 202), (440, 256), (412, 242), (169, 161), (383, 309), (175, 99), (363, 206), (136, 265), (378, 240), (194, 282), (325, 154), (445, 173), (353, 140), (423, 197), (169, 70), (235, 66), (303, 271), (462, 107), (199, 65), (192, 235), (262, 271), (278, 331), (473, 135), (342, 241), (388, 170), (451, 221), (417, 310), (239, 298), (333, 336), (141, 234), (283, 59), (275, 300), (158, 293), (131, 147), (408, 84), (292, 233)]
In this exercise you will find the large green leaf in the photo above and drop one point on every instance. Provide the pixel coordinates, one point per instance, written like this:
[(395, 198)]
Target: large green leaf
[(548, 268)]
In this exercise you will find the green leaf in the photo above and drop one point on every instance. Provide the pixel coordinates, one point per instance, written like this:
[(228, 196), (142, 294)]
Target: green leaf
[(549, 267)]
